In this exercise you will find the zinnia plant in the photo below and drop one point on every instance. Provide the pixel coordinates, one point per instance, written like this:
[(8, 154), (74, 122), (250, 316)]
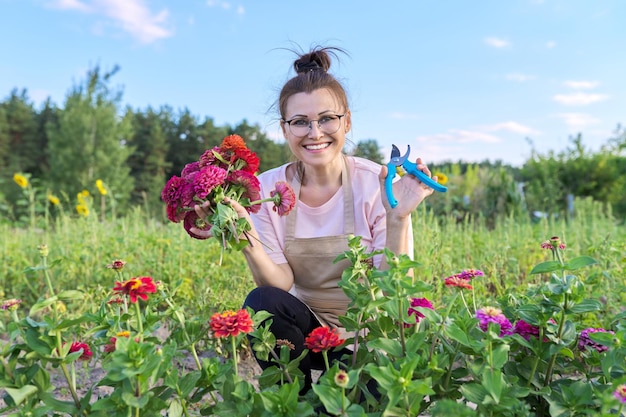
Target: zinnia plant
[(223, 172)]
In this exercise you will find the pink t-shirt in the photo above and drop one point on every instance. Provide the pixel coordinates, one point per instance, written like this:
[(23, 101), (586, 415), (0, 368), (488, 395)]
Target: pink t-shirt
[(328, 219)]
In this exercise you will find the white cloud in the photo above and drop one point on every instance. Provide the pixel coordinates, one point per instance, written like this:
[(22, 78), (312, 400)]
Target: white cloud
[(578, 121), (519, 77), (510, 126), (132, 16), (226, 6), (581, 85), (579, 99), (497, 42), (460, 136), (550, 44)]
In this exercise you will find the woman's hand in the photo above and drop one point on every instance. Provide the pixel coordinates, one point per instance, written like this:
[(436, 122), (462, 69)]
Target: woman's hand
[(203, 211), (408, 190)]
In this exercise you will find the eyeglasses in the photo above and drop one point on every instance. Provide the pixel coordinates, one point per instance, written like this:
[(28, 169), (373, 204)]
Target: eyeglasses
[(328, 124)]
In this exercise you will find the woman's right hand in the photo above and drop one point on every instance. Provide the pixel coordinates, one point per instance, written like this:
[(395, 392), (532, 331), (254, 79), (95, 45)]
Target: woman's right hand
[(202, 210)]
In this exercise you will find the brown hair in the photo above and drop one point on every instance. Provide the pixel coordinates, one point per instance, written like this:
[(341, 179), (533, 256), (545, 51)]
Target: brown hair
[(312, 74)]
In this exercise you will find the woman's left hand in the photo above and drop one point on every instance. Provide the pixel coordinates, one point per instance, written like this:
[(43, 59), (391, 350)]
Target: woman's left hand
[(408, 190)]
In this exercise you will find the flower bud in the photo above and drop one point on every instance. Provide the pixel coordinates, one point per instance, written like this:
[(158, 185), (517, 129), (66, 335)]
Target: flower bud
[(342, 379), (43, 250)]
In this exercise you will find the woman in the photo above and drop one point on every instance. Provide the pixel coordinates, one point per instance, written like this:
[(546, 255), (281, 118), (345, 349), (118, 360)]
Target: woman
[(338, 196)]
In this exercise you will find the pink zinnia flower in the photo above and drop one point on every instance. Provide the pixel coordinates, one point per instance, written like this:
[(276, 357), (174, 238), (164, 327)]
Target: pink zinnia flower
[(172, 191), (193, 220), (284, 198), (250, 184), (322, 338), (189, 169), (418, 302), (553, 243), (620, 393), (231, 323), (488, 315), (470, 273), (77, 346), (117, 265), (11, 304), (456, 281), (207, 179), (208, 158), (135, 288), (585, 341), (525, 329)]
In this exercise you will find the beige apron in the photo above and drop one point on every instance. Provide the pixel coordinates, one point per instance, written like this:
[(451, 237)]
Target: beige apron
[(312, 260)]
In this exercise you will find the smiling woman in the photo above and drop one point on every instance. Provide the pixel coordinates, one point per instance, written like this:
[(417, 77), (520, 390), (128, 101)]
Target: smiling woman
[(337, 196)]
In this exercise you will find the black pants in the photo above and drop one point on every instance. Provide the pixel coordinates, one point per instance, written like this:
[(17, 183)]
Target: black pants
[(292, 321)]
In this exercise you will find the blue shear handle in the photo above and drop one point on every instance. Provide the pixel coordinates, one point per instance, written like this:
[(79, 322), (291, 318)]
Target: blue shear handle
[(391, 173), (411, 168)]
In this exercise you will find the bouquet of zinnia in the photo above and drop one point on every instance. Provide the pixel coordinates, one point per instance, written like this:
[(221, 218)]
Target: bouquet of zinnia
[(225, 171)]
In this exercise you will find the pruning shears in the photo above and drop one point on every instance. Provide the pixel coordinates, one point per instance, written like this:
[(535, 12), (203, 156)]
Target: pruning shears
[(401, 165)]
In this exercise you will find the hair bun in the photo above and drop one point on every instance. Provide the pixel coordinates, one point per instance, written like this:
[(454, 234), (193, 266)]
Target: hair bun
[(303, 67)]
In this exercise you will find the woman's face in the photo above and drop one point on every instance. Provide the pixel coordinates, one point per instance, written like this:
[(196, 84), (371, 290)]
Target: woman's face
[(316, 145)]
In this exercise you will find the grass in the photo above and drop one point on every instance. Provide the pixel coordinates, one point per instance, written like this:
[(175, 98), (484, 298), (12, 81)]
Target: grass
[(81, 248)]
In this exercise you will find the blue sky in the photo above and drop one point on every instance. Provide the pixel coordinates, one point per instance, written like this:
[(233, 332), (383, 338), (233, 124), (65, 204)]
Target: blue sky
[(468, 80)]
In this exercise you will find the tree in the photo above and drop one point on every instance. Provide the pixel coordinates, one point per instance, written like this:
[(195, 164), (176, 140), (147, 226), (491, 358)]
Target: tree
[(90, 140), (369, 149), (148, 164)]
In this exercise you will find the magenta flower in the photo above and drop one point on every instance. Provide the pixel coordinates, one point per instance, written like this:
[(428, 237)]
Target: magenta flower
[(488, 315), (207, 179), (284, 198), (584, 341), (172, 191), (418, 302), (620, 393), (470, 274), (11, 304), (553, 243), (189, 169), (526, 330), (193, 220)]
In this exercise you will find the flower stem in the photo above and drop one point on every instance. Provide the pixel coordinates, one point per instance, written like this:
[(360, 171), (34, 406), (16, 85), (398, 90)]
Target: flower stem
[(139, 321), (233, 344), (325, 355)]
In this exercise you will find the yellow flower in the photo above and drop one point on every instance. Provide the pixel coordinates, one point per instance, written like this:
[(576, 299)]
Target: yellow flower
[(441, 178), (101, 189), (20, 180), (82, 209), (53, 200), (82, 197)]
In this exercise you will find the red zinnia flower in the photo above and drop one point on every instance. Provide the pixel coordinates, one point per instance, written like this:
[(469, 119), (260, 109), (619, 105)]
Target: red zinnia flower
[(457, 281), (250, 160), (284, 198), (193, 220), (250, 184), (233, 142), (135, 287), (87, 353), (231, 323), (322, 338)]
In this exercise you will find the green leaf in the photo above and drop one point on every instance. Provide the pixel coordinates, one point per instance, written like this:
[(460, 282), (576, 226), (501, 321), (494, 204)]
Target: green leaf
[(585, 306), (544, 267), (175, 409), (330, 397), (37, 307), (70, 295), (390, 346), (474, 393), (19, 394), (492, 381), (579, 262), (458, 334)]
